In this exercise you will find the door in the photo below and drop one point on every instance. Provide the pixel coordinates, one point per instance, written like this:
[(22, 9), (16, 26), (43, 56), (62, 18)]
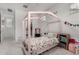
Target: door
[(0, 27), (7, 27)]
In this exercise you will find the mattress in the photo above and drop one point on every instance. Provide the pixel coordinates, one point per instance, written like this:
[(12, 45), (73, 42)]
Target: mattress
[(38, 45)]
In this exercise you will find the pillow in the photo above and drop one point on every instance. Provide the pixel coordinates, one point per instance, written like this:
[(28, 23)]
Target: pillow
[(50, 35), (55, 40)]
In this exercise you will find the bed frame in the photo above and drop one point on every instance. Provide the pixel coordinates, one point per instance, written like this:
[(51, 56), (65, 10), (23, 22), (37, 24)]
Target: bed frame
[(29, 30)]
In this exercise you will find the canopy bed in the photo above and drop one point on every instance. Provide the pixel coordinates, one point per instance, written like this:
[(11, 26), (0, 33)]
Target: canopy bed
[(40, 43)]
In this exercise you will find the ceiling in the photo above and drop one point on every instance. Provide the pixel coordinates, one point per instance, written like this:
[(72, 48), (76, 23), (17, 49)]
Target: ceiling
[(30, 6)]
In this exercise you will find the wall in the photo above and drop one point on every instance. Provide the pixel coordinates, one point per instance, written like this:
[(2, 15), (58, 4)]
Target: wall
[(64, 14), (19, 30), (74, 18), (47, 24)]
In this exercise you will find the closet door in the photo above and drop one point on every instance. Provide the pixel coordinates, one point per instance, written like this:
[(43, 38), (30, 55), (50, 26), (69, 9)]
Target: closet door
[(7, 26), (0, 27)]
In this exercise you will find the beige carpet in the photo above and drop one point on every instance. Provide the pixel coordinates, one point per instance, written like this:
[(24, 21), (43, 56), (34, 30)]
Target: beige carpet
[(57, 51), (10, 48)]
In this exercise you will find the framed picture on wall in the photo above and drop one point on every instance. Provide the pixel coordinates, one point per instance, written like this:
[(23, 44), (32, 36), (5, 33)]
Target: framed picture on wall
[(37, 30)]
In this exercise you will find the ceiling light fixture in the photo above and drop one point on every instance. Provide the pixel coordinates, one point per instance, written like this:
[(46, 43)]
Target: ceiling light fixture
[(10, 10), (25, 6)]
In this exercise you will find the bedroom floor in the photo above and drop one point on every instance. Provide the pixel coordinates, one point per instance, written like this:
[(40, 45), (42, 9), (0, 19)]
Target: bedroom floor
[(10, 47), (57, 51), (13, 48)]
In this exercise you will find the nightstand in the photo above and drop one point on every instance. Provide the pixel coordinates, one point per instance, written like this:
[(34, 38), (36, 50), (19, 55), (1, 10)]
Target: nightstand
[(64, 40), (77, 48)]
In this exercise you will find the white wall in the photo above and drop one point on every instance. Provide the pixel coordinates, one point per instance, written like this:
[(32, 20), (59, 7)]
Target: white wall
[(64, 14), (74, 18), (19, 30)]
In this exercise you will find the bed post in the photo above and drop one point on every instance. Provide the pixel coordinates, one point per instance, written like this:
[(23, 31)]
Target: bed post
[(29, 25), (29, 31), (60, 26)]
